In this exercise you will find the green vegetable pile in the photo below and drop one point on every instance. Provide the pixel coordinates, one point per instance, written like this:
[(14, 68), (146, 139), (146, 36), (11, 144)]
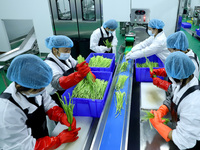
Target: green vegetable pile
[(99, 61), (89, 76), (147, 64), (120, 100), (68, 108), (123, 66), (149, 116), (84, 90), (120, 82), (107, 43)]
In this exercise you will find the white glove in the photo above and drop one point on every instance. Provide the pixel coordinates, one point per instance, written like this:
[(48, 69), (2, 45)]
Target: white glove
[(129, 55), (104, 48)]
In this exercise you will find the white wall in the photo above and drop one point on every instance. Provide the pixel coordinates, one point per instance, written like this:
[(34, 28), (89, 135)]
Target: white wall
[(116, 9), (35, 10), (165, 10)]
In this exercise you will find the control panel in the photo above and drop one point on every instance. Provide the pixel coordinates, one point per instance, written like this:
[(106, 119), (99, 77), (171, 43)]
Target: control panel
[(140, 16)]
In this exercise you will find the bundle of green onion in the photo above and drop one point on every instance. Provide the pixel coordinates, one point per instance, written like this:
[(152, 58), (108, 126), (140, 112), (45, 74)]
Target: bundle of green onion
[(150, 66), (89, 76), (123, 66), (120, 97), (120, 82), (149, 116), (107, 43), (84, 90), (68, 108), (99, 61)]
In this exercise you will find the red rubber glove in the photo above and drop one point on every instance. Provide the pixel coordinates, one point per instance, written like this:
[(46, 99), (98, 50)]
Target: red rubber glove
[(79, 66), (162, 129), (158, 72), (56, 113), (50, 143), (162, 111), (74, 78), (161, 83)]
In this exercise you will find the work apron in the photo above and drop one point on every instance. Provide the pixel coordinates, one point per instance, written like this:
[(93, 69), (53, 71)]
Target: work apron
[(66, 73), (174, 109), (36, 120), (103, 39)]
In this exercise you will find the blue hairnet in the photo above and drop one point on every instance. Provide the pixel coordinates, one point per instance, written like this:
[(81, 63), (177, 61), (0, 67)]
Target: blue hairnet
[(58, 41), (178, 40), (29, 71), (111, 24), (156, 23), (179, 66)]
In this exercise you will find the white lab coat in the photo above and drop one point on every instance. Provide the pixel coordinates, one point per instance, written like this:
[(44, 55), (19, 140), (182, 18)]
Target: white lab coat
[(14, 134), (57, 70), (187, 131), (150, 46), (95, 37), (197, 69)]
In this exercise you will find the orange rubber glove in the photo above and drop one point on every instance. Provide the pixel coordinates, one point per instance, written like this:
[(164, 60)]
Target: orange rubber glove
[(162, 111), (56, 113), (162, 129), (161, 83), (74, 78), (50, 143), (158, 72)]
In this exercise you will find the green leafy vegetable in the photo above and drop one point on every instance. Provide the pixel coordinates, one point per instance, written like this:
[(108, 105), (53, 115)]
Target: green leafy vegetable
[(123, 66), (107, 43), (68, 108), (120, 97), (120, 82), (99, 61)]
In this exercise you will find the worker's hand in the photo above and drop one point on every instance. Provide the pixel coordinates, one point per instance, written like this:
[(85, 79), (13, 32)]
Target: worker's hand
[(158, 72), (68, 136), (73, 125), (152, 74), (93, 75), (83, 70), (162, 129), (161, 112), (78, 66), (129, 55), (161, 83), (104, 49)]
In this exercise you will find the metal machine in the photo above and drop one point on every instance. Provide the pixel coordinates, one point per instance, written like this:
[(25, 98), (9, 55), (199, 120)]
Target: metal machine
[(196, 15), (77, 18)]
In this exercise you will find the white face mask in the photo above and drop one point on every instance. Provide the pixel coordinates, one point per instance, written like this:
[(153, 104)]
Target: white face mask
[(150, 33), (64, 56), (110, 32), (34, 95)]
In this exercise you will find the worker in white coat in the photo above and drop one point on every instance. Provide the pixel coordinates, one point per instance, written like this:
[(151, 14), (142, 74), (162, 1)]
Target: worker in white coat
[(100, 35), (185, 100), (155, 44), (64, 67), (24, 106), (176, 42)]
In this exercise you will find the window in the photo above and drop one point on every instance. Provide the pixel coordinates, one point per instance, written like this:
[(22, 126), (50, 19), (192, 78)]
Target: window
[(88, 10), (64, 10)]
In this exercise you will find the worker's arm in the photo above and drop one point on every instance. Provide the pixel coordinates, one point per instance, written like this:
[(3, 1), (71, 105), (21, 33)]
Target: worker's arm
[(142, 44)]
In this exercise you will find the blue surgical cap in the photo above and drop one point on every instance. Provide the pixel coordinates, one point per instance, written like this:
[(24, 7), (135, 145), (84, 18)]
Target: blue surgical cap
[(58, 41), (29, 71), (178, 40), (111, 24), (156, 23), (179, 66)]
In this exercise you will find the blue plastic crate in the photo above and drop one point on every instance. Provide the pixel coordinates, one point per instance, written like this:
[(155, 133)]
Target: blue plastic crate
[(186, 25), (143, 74), (90, 107), (198, 32), (105, 55)]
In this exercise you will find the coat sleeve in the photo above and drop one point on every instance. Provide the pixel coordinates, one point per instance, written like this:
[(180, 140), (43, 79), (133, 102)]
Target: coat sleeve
[(143, 44), (94, 41), (48, 102), (152, 49)]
